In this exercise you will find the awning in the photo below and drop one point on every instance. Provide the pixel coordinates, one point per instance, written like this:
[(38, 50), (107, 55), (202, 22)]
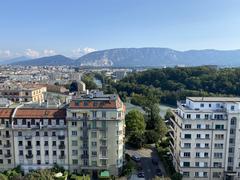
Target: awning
[(104, 174)]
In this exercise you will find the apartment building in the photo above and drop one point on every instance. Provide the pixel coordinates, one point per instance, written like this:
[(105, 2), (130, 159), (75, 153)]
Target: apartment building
[(24, 93), (96, 133), (87, 135), (40, 138), (204, 138)]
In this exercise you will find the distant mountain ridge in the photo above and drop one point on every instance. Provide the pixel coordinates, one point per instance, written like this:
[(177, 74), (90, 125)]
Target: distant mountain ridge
[(133, 57)]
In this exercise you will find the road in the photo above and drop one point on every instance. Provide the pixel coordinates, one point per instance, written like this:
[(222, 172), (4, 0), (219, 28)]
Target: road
[(146, 162)]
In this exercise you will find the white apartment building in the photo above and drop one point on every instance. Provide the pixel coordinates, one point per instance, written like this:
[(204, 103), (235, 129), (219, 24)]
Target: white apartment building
[(205, 136)]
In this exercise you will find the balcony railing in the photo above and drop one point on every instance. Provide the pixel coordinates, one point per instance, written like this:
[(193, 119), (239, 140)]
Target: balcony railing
[(29, 156), (28, 137), (8, 145), (6, 136), (61, 137), (84, 156), (7, 155), (61, 146), (62, 156), (28, 147)]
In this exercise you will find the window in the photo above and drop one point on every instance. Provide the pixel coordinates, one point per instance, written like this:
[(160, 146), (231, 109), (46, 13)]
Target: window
[(94, 114), (94, 163), (75, 161), (186, 164), (103, 162), (94, 153), (94, 144), (45, 133), (198, 126), (37, 143), (233, 121), (217, 164), (205, 174), (232, 131), (201, 105), (38, 152), (198, 145), (37, 133), (185, 174), (219, 126), (206, 116), (207, 136), (219, 136), (197, 164), (218, 146), (104, 114), (188, 126), (74, 152), (74, 133), (54, 153), (9, 161), (218, 155), (46, 153), (230, 150), (94, 134), (94, 124), (54, 143), (197, 116), (207, 126), (186, 154), (206, 145), (196, 174), (74, 114), (198, 136), (1, 161), (205, 154), (19, 133), (197, 154), (188, 116), (20, 143), (187, 145), (209, 105), (20, 152), (187, 136), (53, 133), (232, 108), (231, 140), (45, 143), (85, 103), (74, 143), (216, 174), (38, 161), (74, 123)]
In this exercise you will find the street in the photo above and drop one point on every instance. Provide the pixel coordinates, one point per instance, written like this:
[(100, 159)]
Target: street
[(148, 167)]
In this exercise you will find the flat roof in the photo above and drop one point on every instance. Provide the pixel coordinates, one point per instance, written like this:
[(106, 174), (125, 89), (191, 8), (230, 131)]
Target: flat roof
[(214, 99)]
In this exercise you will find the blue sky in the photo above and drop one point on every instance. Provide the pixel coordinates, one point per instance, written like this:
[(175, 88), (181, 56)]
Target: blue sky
[(74, 27)]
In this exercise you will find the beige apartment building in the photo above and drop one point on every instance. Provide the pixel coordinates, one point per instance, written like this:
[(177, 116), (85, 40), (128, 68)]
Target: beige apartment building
[(87, 135), (205, 136), (26, 93), (96, 133)]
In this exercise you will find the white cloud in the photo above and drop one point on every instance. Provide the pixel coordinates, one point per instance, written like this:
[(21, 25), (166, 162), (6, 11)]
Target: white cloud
[(31, 53), (81, 52), (5, 53), (48, 52)]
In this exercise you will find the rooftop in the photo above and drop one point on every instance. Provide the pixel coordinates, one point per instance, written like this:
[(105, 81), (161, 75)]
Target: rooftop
[(214, 99), (40, 113)]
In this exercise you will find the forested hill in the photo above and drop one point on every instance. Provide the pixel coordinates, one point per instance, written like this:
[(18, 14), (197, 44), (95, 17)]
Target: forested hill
[(171, 84)]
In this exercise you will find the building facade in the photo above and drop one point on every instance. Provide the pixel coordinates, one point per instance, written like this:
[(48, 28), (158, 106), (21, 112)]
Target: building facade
[(204, 138), (85, 136)]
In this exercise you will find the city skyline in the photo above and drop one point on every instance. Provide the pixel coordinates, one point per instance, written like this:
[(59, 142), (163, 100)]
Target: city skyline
[(75, 28)]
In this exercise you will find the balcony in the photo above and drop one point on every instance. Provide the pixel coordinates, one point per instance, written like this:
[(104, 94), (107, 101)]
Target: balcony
[(84, 156), (28, 137), (8, 145), (62, 137), (62, 156), (29, 156), (61, 146), (28, 147), (6, 136), (7, 155)]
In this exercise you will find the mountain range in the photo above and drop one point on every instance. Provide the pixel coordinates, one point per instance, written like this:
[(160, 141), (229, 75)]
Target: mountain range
[(133, 57)]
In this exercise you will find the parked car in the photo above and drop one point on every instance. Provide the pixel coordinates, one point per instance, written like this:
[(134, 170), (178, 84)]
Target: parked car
[(159, 172), (155, 161), (136, 158), (141, 174)]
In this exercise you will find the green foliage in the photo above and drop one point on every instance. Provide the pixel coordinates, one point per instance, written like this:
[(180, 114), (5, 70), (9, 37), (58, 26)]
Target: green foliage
[(44, 174), (135, 122), (128, 168), (76, 177), (3, 177), (88, 79), (176, 176)]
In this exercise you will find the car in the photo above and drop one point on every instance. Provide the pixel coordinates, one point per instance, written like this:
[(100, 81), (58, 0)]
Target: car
[(159, 172), (136, 158), (141, 174), (155, 161)]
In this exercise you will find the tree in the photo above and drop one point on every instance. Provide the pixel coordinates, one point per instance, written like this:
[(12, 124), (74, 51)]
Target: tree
[(135, 128), (44, 174)]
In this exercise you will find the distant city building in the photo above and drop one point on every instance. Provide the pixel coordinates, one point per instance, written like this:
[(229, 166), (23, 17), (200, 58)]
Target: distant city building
[(205, 138), (23, 93)]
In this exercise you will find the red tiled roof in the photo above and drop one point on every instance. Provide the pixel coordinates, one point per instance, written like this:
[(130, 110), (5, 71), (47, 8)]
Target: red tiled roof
[(96, 104), (40, 113), (6, 112)]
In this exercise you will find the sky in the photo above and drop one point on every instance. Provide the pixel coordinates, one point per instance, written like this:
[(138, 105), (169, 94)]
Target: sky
[(76, 27)]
